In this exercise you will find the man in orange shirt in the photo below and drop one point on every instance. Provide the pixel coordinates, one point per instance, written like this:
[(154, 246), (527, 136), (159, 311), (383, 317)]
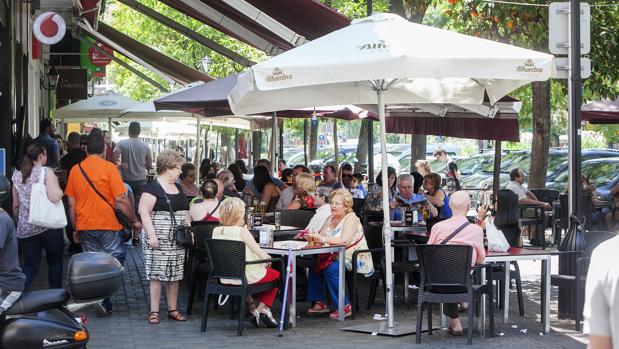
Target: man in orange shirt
[(96, 226), (470, 234)]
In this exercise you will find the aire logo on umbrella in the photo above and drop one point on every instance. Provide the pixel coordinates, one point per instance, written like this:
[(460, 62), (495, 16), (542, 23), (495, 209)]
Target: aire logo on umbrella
[(49, 28), (379, 45)]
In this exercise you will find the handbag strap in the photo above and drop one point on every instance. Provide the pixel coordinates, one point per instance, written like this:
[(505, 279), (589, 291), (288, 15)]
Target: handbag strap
[(93, 187), (167, 199), (455, 233)]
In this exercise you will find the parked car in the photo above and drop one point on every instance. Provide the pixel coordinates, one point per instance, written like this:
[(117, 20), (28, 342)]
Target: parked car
[(557, 161), (603, 173)]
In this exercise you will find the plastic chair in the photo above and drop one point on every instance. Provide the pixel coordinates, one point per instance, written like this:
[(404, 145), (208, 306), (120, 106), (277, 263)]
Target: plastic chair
[(577, 282), (446, 278), (199, 263), (227, 260)]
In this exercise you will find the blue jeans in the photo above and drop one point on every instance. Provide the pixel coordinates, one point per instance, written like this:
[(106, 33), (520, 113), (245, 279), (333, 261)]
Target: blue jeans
[(52, 241), (315, 284), (108, 241)]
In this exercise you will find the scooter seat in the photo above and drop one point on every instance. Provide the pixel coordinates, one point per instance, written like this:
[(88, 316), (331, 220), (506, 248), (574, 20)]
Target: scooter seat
[(36, 301)]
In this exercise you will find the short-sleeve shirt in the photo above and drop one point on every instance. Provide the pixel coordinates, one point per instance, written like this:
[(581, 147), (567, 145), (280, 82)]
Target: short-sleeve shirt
[(11, 276), (518, 189), (602, 293), (133, 152), (472, 235), (178, 201), (51, 147), (73, 157), (91, 212)]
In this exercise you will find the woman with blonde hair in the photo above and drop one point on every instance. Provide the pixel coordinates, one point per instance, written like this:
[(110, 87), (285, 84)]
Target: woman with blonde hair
[(341, 228), (163, 205), (304, 188), (423, 167), (232, 220)]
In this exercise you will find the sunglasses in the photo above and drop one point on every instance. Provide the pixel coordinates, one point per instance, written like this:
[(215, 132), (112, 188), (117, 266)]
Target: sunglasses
[(346, 175)]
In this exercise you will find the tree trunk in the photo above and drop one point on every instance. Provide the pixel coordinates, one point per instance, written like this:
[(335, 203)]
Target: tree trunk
[(313, 142), (541, 134), (256, 145), (418, 149), (362, 146)]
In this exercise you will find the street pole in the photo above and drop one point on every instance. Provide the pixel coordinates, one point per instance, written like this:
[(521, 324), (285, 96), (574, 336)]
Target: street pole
[(575, 103), (370, 170)]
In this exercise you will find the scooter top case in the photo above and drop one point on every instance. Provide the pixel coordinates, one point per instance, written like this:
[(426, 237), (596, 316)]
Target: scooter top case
[(39, 320), (93, 275)]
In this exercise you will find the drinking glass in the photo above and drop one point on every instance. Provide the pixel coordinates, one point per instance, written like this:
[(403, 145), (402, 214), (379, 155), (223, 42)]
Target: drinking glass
[(278, 220)]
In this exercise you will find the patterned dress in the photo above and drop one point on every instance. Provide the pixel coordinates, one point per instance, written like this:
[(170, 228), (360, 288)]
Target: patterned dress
[(25, 229), (166, 262)]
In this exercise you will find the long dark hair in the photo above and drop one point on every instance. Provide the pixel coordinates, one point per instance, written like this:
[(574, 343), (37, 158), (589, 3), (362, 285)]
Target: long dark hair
[(507, 210), (32, 154), (390, 171), (236, 171), (261, 178)]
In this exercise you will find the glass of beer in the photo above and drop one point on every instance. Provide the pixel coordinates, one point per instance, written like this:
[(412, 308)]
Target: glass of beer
[(278, 219)]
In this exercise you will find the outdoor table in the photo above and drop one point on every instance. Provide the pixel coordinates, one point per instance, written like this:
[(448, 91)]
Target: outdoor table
[(522, 254), (287, 232), (418, 232), (313, 250)]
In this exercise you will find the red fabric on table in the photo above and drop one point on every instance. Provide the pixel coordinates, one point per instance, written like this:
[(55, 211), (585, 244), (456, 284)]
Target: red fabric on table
[(267, 297)]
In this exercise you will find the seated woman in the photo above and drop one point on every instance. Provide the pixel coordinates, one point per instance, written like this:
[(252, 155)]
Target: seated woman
[(374, 198), (344, 228), (323, 210), (232, 227), (287, 176), (264, 185), (505, 216), (304, 188), (188, 180), (207, 209), (435, 195)]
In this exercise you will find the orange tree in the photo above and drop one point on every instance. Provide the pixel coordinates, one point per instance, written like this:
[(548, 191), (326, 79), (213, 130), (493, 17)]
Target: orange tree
[(526, 25)]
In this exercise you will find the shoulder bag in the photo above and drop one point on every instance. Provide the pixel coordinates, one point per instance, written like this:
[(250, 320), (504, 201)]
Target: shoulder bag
[(43, 212), (120, 216), (181, 232)]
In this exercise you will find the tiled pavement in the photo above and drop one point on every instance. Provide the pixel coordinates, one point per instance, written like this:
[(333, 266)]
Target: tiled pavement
[(127, 327)]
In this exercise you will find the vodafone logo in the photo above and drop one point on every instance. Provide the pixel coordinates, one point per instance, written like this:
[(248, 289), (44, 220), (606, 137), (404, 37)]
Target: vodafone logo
[(49, 28)]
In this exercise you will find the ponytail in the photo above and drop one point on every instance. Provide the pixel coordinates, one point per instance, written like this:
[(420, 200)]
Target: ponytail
[(32, 154)]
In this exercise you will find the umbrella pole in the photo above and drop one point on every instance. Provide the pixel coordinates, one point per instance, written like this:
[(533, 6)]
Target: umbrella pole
[(109, 126), (274, 144), (386, 216), (196, 159)]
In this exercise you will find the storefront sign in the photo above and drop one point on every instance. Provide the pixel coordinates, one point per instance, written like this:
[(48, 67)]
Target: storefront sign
[(73, 84), (49, 28), (99, 59)]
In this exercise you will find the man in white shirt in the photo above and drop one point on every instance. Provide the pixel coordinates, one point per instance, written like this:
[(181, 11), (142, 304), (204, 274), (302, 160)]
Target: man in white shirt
[(526, 197), (601, 311)]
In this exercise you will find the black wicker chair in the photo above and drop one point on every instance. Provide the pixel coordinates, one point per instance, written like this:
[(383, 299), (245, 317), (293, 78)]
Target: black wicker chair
[(198, 260), (227, 261), (577, 282), (536, 221), (297, 218), (561, 217), (446, 278)]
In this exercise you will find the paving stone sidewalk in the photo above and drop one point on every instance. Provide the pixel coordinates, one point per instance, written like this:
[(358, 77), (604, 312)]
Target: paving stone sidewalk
[(128, 328)]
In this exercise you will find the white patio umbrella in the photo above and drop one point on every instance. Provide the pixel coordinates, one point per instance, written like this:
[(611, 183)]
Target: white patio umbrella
[(384, 59), (103, 106)]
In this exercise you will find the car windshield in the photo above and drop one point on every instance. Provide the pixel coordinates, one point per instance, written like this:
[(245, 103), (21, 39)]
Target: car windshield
[(472, 164), (554, 161), (599, 173)]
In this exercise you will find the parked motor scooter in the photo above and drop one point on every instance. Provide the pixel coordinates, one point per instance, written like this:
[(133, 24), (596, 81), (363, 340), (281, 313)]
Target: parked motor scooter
[(45, 319)]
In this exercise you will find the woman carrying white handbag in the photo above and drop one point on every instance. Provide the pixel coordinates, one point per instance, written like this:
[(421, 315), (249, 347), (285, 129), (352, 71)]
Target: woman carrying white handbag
[(37, 198)]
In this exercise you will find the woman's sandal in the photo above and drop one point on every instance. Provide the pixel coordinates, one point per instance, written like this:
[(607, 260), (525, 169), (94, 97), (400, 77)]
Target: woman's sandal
[(176, 315), (153, 317)]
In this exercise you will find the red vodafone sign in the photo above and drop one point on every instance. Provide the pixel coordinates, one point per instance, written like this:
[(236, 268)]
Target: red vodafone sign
[(99, 59), (49, 28)]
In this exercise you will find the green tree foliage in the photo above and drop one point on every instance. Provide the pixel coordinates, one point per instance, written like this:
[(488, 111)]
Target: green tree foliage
[(171, 43)]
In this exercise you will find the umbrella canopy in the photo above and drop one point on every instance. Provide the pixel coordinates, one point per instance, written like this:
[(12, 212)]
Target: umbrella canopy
[(146, 111), (103, 106), (384, 59), (427, 65), (601, 112)]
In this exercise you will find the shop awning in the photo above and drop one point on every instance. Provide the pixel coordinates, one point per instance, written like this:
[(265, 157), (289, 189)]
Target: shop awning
[(307, 18), (144, 55)]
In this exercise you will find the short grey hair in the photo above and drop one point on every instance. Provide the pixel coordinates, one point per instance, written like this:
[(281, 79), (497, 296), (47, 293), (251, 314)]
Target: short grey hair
[(406, 177), (227, 178), (325, 192)]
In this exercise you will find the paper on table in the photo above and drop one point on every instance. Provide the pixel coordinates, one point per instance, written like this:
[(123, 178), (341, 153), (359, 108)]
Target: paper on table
[(296, 245), (283, 227)]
